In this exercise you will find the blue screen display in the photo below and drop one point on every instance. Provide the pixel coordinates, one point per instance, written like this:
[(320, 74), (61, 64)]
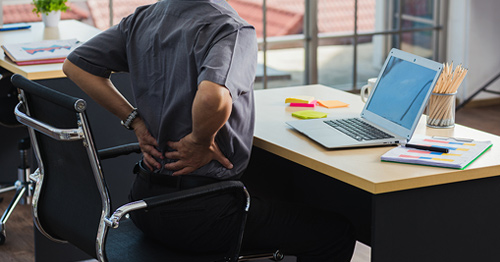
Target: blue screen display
[(401, 91)]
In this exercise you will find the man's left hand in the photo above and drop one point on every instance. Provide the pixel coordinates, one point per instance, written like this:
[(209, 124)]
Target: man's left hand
[(191, 155)]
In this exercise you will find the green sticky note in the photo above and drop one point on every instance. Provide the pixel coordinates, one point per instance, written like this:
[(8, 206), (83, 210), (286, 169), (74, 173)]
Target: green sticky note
[(309, 114)]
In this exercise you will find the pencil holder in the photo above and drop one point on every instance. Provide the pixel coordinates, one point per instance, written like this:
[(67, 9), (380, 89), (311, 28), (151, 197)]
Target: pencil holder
[(441, 110)]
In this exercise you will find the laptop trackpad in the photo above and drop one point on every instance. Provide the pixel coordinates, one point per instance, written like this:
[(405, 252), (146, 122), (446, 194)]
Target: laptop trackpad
[(330, 137)]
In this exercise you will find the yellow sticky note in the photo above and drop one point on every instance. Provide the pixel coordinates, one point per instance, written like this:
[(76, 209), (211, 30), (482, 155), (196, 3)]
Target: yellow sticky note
[(332, 103), (309, 114), (299, 99)]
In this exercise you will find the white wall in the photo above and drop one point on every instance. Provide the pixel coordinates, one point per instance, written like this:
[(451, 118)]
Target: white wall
[(474, 41)]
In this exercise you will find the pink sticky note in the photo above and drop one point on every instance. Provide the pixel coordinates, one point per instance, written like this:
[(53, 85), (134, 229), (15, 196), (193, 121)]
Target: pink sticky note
[(311, 104)]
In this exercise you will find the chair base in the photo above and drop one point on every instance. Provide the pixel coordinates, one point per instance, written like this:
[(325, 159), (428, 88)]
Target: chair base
[(20, 188)]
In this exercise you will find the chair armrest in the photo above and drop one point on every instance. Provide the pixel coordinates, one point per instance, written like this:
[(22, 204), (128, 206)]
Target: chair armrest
[(120, 150), (161, 200), (223, 186)]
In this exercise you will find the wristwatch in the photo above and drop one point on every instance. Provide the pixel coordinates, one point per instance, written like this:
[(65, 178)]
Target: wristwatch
[(130, 118)]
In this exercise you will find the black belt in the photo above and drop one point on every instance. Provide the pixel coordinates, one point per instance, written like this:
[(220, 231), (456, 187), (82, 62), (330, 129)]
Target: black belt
[(180, 182)]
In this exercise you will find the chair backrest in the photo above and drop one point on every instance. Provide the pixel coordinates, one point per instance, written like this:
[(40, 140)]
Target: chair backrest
[(70, 194)]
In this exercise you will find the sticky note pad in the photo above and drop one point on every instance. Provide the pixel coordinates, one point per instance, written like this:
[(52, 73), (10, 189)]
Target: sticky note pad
[(299, 99), (311, 104), (332, 103), (309, 114)]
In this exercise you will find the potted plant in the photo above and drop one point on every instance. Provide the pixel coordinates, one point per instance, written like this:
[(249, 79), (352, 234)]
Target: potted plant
[(50, 10)]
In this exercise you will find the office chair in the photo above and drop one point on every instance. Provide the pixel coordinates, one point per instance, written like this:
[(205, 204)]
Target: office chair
[(71, 202), (8, 100)]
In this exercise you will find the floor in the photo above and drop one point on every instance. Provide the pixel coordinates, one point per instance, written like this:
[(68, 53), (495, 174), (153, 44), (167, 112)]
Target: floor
[(19, 244)]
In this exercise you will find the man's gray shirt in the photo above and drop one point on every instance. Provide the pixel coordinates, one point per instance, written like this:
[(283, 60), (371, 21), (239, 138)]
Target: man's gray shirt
[(169, 48)]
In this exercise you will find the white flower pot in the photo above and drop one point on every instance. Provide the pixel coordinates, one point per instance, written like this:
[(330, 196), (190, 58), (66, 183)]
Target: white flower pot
[(51, 19)]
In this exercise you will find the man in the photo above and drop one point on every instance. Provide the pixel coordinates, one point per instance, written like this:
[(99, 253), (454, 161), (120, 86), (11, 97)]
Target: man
[(192, 66)]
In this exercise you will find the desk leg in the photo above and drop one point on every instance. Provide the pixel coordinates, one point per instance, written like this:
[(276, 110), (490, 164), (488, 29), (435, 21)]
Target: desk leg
[(452, 222)]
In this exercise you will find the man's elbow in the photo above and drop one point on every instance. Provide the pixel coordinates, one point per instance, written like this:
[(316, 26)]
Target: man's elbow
[(69, 68)]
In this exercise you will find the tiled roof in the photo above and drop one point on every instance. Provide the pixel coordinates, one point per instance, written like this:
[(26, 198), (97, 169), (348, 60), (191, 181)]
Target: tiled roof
[(121, 8), (333, 15), (283, 16), (279, 21), (23, 13), (284, 22)]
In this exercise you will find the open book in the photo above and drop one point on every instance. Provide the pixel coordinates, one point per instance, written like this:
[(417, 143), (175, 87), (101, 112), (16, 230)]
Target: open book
[(43, 52), (461, 153)]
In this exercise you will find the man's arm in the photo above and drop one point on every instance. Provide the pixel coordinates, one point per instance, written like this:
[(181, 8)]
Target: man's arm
[(105, 93), (211, 109)]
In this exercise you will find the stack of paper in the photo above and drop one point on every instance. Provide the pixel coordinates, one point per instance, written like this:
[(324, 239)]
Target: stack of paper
[(43, 52), (461, 152)]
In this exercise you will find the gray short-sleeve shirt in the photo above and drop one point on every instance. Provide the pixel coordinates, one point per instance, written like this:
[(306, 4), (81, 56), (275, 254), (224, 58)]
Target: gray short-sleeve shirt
[(169, 48)]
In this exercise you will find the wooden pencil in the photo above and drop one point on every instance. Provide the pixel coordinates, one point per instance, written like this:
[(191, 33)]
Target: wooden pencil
[(441, 105)]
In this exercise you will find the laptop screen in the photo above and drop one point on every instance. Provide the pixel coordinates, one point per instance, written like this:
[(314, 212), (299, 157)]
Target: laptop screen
[(400, 92)]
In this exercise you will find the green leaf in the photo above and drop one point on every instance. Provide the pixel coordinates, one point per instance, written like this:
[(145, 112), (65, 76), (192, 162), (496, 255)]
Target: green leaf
[(47, 6)]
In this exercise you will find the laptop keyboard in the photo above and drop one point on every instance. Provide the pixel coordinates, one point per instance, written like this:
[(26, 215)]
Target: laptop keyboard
[(357, 129)]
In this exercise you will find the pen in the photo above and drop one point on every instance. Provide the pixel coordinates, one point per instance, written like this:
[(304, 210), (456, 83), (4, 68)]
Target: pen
[(10, 28), (429, 148)]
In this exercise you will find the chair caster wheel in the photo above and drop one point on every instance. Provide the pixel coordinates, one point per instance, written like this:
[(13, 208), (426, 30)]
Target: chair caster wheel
[(278, 256)]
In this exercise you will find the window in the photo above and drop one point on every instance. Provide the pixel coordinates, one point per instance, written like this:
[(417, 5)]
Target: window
[(341, 43), (338, 43)]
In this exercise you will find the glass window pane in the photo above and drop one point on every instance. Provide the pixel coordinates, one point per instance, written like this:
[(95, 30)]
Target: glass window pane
[(285, 67), (414, 13), (366, 15), (285, 21), (371, 57), (335, 64), (284, 17), (99, 10), (419, 43), (337, 16), (419, 8)]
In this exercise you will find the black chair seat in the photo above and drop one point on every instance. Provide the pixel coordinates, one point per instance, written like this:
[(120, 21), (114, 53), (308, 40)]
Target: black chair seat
[(129, 238)]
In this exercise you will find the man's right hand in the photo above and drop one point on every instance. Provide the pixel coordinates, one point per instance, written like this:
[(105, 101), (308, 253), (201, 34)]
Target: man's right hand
[(148, 144)]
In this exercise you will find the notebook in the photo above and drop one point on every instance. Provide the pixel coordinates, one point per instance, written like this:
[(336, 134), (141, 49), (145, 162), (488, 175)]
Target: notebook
[(394, 106), (462, 152)]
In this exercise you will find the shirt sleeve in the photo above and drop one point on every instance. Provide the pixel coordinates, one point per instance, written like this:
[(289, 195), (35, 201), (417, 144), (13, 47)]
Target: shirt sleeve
[(104, 53), (232, 62)]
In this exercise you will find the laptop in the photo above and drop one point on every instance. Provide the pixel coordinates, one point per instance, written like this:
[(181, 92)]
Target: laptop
[(391, 112)]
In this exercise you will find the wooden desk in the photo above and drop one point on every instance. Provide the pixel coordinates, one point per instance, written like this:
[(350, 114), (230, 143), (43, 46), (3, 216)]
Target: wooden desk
[(405, 212), (67, 29)]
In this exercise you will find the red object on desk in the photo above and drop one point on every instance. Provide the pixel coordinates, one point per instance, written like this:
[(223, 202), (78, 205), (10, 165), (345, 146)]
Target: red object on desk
[(311, 104), (39, 62)]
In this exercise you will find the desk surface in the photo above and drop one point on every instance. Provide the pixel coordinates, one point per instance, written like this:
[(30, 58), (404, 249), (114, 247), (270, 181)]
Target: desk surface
[(67, 29), (359, 167)]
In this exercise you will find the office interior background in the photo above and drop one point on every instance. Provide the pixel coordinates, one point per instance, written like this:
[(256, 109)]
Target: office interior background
[(339, 43)]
